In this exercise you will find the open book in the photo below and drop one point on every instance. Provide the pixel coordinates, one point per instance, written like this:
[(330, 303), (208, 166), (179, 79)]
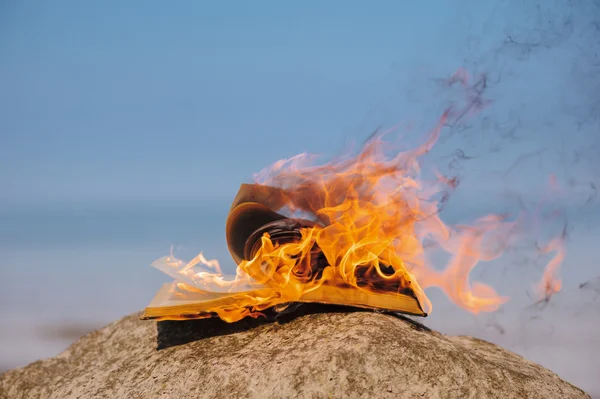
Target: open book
[(174, 303), (252, 210)]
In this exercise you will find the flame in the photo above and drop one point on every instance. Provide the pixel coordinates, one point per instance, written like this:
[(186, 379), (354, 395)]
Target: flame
[(376, 217), (550, 284)]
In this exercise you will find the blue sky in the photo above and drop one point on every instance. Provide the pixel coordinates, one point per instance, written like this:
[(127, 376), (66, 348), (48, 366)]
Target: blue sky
[(171, 101), (174, 102)]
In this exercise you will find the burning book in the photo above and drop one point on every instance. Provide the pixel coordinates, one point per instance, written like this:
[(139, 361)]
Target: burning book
[(353, 232), (281, 263)]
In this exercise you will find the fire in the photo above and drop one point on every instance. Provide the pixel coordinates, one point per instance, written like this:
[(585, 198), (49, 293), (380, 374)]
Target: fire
[(371, 217)]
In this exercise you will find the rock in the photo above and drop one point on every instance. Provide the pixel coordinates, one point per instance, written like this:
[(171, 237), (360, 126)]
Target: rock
[(319, 354)]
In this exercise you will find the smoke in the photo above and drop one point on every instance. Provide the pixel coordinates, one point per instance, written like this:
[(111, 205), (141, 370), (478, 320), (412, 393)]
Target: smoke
[(534, 111)]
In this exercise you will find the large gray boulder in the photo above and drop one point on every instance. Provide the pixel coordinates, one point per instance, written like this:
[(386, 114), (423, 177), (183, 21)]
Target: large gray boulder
[(316, 355)]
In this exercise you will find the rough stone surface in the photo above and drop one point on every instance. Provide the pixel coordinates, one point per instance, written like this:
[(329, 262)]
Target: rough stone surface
[(315, 355)]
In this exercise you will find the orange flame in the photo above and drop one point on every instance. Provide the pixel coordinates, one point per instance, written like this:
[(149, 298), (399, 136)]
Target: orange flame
[(375, 213), (550, 284)]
